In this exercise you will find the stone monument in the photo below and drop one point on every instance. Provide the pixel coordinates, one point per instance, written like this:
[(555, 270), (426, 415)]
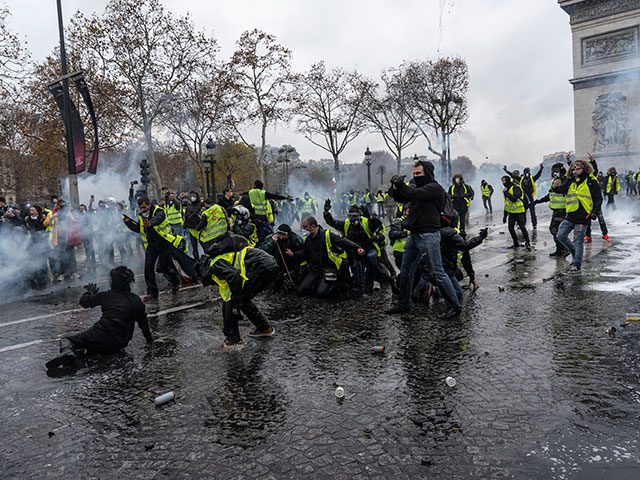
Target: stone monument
[(606, 80)]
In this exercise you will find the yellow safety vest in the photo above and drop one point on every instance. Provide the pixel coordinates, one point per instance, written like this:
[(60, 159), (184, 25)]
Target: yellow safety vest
[(533, 184), (164, 230), (335, 258), (307, 206), (610, 185), (557, 201), (465, 192), (174, 215), (486, 191), (260, 204), (398, 245), (579, 193), (216, 223), (236, 259), (365, 227), (513, 207)]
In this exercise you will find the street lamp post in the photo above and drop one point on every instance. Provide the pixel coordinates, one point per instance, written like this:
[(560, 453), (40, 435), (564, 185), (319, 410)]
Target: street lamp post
[(367, 162), (210, 159), (66, 102), (285, 150)]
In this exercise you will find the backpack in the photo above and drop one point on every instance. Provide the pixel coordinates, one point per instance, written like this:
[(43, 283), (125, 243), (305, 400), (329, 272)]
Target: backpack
[(447, 212)]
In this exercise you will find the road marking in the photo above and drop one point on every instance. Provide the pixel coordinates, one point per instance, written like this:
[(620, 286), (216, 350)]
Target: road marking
[(40, 317), (176, 309), (21, 345)]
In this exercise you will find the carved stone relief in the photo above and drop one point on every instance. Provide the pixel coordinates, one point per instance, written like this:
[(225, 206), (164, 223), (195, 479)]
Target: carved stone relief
[(610, 46), (611, 122), (590, 10)]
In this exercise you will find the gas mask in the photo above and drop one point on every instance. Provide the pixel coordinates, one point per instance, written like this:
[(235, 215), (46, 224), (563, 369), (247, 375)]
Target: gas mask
[(457, 181), (192, 198), (33, 217)]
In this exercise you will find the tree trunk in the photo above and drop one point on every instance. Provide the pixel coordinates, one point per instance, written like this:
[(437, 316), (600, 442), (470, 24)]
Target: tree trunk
[(398, 159), (155, 174), (443, 156), (336, 168)]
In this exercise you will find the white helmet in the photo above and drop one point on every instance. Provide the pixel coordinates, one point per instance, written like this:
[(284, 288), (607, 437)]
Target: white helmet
[(110, 200), (241, 212)]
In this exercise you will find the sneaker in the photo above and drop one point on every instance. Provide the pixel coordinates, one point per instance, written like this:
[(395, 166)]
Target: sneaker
[(606, 238), (513, 247), (397, 309), (557, 253), (574, 269), (267, 332), (376, 285), (149, 298), (60, 278), (230, 347), (587, 239)]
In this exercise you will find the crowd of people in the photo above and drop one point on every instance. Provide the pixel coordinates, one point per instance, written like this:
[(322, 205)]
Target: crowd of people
[(233, 241)]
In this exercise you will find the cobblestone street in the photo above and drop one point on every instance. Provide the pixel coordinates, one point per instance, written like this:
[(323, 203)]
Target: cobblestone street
[(542, 390)]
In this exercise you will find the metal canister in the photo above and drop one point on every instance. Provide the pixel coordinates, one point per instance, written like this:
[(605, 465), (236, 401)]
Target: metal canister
[(378, 349), (164, 398)]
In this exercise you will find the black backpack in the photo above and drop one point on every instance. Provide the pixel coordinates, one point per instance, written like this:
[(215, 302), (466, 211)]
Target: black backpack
[(447, 212)]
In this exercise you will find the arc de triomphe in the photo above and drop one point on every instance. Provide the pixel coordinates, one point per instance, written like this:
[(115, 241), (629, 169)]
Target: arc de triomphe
[(606, 80)]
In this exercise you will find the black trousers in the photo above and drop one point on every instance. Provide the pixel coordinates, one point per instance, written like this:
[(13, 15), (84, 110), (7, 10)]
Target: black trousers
[(163, 257), (313, 283), (603, 225), (528, 205), (232, 313), (520, 219), (556, 219)]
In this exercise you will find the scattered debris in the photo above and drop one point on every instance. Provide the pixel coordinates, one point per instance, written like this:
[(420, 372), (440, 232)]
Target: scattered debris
[(52, 434), (450, 381), (500, 288), (378, 349), (339, 392), (611, 331), (162, 399), (149, 446), (426, 461)]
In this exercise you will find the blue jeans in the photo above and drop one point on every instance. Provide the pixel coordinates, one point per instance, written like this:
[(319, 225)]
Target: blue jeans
[(576, 247), (426, 247), (367, 268)]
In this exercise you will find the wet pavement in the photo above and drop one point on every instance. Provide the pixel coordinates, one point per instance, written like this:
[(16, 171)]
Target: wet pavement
[(542, 390)]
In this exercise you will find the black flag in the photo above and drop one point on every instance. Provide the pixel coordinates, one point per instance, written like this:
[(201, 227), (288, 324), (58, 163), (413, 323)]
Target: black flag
[(77, 132), (82, 87)]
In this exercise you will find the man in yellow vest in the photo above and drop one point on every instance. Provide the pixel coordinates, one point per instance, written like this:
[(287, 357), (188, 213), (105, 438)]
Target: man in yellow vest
[(557, 203), (158, 242), (461, 195), (527, 184), (173, 210), (612, 188), (583, 198), (261, 207), (240, 276), (325, 255), (213, 223), (514, 210), (487, 191)]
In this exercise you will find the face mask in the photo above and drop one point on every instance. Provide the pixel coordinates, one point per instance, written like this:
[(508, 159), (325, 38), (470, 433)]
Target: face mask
[(457, 180), (145, 214), (420, 181), (192, 198), (34, 217)]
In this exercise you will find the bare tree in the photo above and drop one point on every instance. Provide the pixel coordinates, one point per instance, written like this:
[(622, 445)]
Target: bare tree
[(198, 111), (14, 56), (261, 69), (388, 118), (434, 94), (328, 108), (147, 52)]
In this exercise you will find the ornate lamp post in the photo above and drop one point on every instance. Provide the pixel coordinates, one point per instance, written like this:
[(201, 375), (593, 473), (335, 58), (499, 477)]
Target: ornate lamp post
[(367, 162)]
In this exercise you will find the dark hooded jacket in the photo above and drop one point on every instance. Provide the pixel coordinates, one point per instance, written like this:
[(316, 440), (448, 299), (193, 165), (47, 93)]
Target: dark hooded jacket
[(426, 204), (192, 213), (450, 244)]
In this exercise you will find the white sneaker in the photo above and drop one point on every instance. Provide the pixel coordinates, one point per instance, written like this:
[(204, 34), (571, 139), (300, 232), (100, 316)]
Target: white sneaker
[(376, 285), (60, 278)]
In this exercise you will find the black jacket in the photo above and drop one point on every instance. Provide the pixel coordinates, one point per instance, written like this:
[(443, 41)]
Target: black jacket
[(314, 250), (450, 244), (426, 205), (459, 195), (355, 233), (260, 268), (120, 312), (192, 215), (293, 243)]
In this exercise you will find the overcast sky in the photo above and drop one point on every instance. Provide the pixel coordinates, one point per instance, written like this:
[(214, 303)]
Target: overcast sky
[(518, 52)]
